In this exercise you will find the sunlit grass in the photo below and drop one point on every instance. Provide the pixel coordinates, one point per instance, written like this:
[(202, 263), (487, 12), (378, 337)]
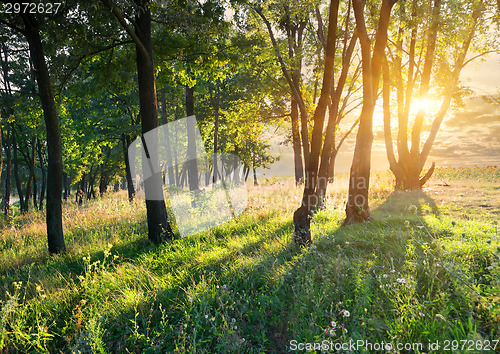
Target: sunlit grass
[(420, 271)]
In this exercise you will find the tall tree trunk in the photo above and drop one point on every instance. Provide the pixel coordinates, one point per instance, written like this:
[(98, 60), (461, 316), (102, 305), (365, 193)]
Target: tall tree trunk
[(158, 226), (166, 134), (44, 177), (407, 170), (130, 182), (54, 144), (66, 183), (357, 208), (8, 163), (9, 110), (31, 178), (19, 187), (216, 107), (192, 161), (297, 153), (34, 150), (310, 200)]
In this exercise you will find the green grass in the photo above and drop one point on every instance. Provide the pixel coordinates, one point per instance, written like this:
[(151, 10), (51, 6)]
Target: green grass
[(413, 274)]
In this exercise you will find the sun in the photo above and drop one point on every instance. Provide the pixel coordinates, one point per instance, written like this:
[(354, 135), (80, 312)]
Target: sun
[(428, 104)]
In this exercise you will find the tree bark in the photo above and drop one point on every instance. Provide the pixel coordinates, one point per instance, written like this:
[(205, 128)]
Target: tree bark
[(216, 106), (310, 199), (19, 188), (130, 183), (8, 163), (166, 135), (357, 208), (296, 143), (192, 161), (158, 226), (44, 177), (54, 144)]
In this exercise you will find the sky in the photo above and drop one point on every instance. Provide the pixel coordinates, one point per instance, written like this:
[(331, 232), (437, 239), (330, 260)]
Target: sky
[(468, 137)]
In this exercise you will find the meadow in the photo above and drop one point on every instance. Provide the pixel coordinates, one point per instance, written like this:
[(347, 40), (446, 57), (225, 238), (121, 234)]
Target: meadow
[(425, 269)]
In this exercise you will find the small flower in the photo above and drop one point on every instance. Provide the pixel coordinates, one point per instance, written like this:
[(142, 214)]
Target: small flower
[(412, 209), (385, 275), (345, 330), (243, 339), (190, 299), (206, 316), (489, 268), (392, 271), (347, 313), (332, 332), (407, 223), (401, 280), (421, 314), (233, 320), (334, 324), (235, 327)]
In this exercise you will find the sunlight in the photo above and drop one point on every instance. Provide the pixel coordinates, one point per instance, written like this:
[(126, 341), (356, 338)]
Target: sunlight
[(430, 105)]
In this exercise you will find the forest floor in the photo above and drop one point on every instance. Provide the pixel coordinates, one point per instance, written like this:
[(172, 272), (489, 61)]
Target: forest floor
[(424, 272)]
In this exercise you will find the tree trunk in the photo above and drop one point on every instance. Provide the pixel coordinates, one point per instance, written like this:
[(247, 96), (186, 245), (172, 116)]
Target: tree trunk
[(310, 199), (19, 188), (192, 162), (216, 107), (130, 183), (54, 144), (357, 208), (8, 162), (297, 153), (35, 182), (67, 190), (158, 226), (31, 178), (408, 169), (166, 135), (7, 146), (44, 177)]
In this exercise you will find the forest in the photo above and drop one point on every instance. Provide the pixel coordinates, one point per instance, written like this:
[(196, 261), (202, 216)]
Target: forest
[(249, 176)]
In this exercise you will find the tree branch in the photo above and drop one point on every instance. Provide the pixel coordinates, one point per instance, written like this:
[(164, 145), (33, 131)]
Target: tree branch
[(121, 18)]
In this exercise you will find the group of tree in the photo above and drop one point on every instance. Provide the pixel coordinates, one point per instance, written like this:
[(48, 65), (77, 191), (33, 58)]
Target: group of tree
[(104, 72)]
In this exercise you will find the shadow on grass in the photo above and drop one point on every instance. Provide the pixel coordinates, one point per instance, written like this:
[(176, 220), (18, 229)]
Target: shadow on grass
[(275, 294), (399, 202)]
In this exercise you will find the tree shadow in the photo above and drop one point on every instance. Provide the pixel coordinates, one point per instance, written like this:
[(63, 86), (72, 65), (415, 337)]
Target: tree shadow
[(70, 266), (400, 203)]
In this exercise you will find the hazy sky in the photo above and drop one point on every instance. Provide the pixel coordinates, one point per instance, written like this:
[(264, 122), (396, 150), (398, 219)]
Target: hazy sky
[(468, 136)]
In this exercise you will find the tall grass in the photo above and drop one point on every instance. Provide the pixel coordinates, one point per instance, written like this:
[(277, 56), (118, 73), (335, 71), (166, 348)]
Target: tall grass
[(418, 272)]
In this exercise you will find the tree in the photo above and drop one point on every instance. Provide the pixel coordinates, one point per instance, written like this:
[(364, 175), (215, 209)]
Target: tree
[(31, 31), (54, 144), (310, 199), (465, 21), (158, 224), (357, 208)]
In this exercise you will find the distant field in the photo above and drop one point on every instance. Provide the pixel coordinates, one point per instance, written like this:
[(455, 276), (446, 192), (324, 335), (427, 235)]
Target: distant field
[(424, 270)]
